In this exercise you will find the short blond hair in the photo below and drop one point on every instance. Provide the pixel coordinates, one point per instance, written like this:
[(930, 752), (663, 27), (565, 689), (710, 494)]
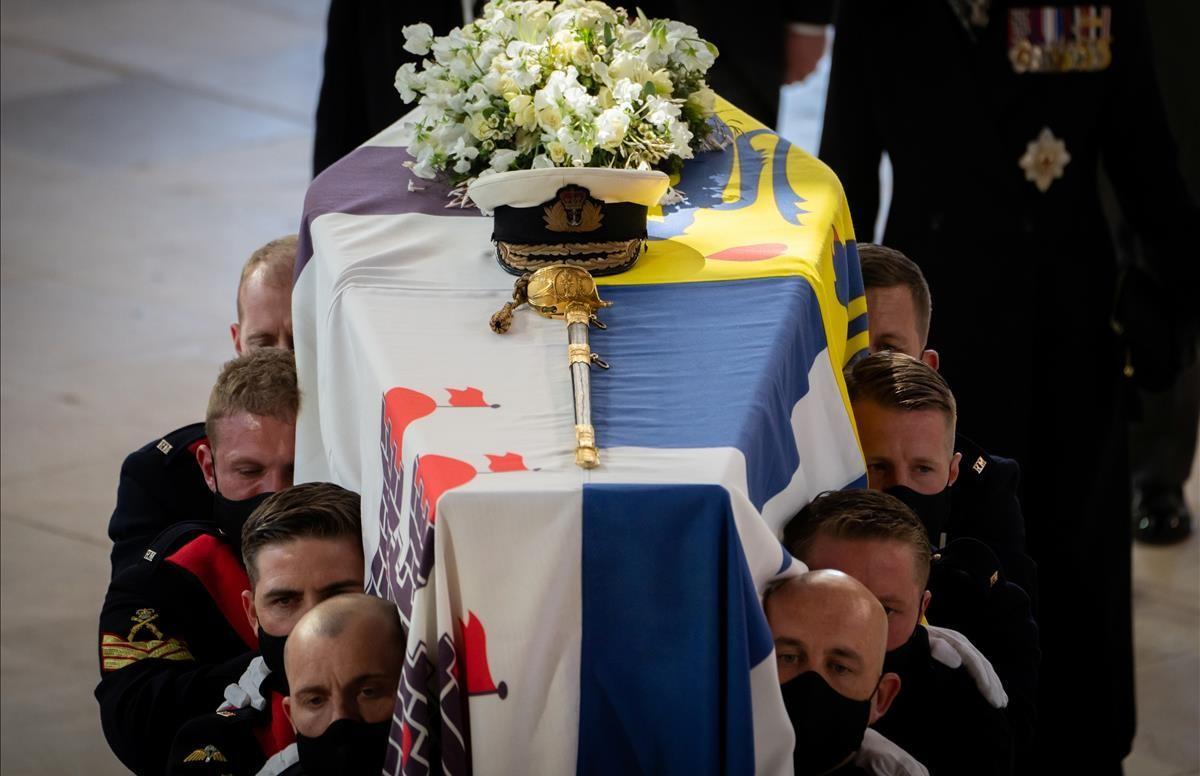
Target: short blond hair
[(260, 382), (277, 258), (900, 382)]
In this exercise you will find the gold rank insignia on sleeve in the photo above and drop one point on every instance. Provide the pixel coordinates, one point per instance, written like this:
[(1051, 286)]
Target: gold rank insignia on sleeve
[(208, 754), (117, 652), (980, 465), (144, 619), (164, 446)]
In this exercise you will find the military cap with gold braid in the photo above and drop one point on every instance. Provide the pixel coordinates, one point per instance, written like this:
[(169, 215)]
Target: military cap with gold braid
[(588, 217)]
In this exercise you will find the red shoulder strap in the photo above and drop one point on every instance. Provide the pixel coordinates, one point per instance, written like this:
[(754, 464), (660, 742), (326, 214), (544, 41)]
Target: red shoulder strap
[(277, 734), (211, 561)]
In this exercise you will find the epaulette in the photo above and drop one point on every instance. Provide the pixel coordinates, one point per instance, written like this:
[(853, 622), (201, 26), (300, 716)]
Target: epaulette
[(181, 441), (974, 460), (973, 560), (170, 539)]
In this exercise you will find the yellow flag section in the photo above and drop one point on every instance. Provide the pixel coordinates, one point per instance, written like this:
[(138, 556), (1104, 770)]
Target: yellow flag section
[(760, 208)]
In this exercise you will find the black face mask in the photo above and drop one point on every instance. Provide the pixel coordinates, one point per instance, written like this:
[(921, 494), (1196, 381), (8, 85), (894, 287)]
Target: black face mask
[(829, 726), (934, 510), (909, 658), (271, 649), (230, 516), (348, 746)]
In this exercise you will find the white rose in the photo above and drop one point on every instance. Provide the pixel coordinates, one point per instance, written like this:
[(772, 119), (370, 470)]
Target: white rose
[(523, 113), (549, 118), (541, 161), (662, 82), (627, 65), (478, 126), (703, 102), (417, 38), (611, 126)]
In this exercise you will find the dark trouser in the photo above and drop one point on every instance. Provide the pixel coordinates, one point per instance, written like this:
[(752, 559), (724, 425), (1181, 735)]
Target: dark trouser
[(1162, 444)]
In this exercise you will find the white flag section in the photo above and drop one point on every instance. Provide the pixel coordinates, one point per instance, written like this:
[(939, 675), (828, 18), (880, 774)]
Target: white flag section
[(563, 620)]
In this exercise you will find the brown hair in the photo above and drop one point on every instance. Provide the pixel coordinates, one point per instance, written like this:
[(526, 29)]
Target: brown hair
[(260, 382), (884, 267), (901, 382), (319, 510), (278, 258), (859, 514)]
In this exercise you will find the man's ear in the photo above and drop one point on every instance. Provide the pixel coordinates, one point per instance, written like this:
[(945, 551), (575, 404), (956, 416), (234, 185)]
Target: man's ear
[(248, 608), (955, 460), (287, 712), (931, 358), (926, 597), (885, 693), (208, 464), (235, 329)]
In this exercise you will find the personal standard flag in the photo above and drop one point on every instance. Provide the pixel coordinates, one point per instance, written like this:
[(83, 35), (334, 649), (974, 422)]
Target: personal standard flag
[(602, 621)]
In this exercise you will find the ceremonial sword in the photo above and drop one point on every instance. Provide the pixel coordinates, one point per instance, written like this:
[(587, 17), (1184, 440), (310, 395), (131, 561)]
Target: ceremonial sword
[(564, 291)]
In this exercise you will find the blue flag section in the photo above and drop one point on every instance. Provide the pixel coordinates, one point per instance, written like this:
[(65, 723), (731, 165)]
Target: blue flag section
[(728, 363), (671, 628)]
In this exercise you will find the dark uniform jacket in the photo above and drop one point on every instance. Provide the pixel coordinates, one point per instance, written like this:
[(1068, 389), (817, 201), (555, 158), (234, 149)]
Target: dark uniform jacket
[(985, 505), (749, 69), (161, 483), (364, 46), (172, 635), (233, 741), (972, 596), (941, 719), (1025, 281)]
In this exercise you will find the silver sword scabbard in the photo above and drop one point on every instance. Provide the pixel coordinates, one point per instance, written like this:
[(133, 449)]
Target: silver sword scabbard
[(581, 358)]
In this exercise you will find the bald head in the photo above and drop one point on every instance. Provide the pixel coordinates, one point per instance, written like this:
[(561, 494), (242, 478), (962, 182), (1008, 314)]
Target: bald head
[(343, 661), (826, 621), (330, 620)]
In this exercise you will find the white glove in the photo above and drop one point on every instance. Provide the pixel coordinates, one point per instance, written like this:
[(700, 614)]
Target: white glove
[(280, 761), (951, 648), (878, 755), (247, 691)]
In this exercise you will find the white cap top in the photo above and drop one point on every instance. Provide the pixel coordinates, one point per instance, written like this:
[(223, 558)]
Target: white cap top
[(530, 188)]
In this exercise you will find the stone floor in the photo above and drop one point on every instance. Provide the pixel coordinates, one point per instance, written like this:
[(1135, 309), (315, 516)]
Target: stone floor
[(148, 146)]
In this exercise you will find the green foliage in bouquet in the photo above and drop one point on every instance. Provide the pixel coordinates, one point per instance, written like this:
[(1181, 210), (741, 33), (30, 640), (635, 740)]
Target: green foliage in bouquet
[(555, 84)]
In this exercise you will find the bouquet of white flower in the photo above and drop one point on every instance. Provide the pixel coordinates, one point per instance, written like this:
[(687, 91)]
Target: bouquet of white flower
[(574, 83)]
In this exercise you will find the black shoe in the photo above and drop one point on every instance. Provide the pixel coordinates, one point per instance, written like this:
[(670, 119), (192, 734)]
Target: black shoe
[(1161, 518)]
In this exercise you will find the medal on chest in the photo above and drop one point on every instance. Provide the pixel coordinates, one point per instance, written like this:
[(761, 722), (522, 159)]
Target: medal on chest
[(1044, 160)]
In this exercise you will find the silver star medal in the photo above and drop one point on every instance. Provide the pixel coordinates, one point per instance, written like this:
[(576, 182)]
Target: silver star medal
[(1044, 160)]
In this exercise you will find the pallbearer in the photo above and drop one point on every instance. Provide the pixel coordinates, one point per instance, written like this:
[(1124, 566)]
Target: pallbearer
[(556, 228)]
